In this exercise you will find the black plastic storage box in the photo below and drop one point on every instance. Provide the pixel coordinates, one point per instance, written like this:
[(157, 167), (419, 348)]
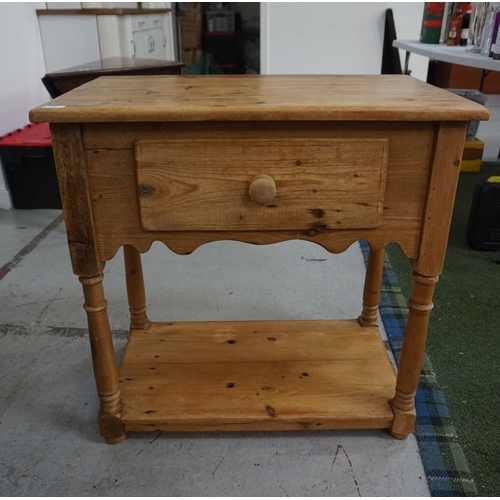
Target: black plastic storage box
[(29, 169), (224, 46), (483, 230)]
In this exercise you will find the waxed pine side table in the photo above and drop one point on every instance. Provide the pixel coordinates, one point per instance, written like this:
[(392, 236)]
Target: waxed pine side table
[(257, 159)]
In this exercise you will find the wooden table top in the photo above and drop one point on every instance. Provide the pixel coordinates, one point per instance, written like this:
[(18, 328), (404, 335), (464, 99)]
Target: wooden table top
[(257, 98), (113, 64)]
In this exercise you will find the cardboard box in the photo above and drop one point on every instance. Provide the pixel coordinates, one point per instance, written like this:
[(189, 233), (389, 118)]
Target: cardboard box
[(191, 30), (472, 156), (191, 7), (191, 21)]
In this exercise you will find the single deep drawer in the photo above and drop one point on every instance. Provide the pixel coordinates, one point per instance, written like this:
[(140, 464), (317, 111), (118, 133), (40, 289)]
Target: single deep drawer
[(261, 184)]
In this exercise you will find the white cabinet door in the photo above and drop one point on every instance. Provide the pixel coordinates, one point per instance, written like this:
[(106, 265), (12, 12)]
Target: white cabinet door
[(148, 42), (156, 37), (142, 44), (169, 47), (147, 36)]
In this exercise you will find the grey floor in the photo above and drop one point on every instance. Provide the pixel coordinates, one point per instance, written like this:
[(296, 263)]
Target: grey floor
[(49, 440)]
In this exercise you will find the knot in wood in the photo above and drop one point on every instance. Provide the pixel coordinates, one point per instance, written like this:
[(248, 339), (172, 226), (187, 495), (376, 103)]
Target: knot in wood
[(145, 190)]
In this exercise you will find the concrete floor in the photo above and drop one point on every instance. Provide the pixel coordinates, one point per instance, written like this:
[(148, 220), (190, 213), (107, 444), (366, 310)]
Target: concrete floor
[(48, 405), (49, 440)]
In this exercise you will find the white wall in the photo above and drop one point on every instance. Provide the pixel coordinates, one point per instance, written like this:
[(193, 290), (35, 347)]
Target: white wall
[(76, 33), (408, 19), (302, 37), (21, 63), (322, 38), (22, 67), (334, 37)]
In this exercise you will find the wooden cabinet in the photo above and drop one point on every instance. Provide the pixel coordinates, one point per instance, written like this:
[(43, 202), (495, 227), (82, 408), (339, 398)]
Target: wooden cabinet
[(146, 36), (59, 82), (257, 159), (74, 37)]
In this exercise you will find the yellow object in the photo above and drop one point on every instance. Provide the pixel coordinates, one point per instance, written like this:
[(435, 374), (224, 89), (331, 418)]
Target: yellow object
[(472, 156), (494, 178)]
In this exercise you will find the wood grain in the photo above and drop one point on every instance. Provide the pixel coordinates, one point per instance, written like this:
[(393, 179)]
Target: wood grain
[(412, 355), (256, 375), (136, 293), (241, 341), (258, 98), (114, 185), (192, 185), (103, 360), (372, 287), (198, 143), (69, 158), (445, 170)]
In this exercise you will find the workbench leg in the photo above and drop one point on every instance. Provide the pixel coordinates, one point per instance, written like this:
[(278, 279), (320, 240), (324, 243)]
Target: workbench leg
[(103, 359), (412, 354), (371, 292), (135, 288)]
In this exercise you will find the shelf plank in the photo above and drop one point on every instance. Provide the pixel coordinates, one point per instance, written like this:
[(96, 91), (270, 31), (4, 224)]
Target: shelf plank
[(256, 375), (243, 341), (98, 12)]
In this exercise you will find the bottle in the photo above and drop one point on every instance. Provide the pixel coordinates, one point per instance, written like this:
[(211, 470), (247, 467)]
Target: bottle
[(488, 29), (448, 9), (455, 25), (476, 27), (464, 32), (495, 42), (432, 22)]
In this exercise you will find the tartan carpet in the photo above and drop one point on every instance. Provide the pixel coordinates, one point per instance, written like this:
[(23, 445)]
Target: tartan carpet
[(445, 465)]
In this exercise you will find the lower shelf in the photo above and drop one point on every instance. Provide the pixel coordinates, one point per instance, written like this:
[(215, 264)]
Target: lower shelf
[(256, 375)]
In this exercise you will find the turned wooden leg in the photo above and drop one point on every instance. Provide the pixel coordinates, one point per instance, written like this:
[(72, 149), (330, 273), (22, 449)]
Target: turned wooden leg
[(103, 359), (371, 293), (135, 288), (412, 354)]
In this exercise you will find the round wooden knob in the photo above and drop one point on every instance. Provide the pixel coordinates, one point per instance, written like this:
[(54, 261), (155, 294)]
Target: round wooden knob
[(262, 189)]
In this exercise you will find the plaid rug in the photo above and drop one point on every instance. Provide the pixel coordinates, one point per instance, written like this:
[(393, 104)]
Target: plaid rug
[(444, 462)]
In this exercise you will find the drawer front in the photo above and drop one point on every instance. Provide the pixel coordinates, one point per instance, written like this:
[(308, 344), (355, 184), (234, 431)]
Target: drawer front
[(155, 21), (140, 22), (261, 184)]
